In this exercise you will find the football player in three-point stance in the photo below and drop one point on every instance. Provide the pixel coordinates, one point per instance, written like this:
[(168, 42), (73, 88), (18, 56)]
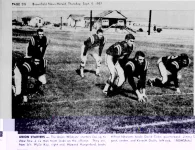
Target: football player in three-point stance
[(116, 52), (169, 66), (93, 46), (137, 68)]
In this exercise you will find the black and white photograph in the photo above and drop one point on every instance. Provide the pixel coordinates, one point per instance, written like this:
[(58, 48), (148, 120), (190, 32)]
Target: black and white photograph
[(103, 71)]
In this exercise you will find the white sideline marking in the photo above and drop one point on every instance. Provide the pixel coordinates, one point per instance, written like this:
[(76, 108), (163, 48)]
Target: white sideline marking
[(171, 94), (83, 100), (58, 102), (154, 124)]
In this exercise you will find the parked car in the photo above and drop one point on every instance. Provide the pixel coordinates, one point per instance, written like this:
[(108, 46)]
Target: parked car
[(159, 30)]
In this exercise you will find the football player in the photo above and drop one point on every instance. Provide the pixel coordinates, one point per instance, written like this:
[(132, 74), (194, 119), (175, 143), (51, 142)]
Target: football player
[(137, 68), (22, 69), (93, 46), (37, 45), (169, 66), (118, 51), (36, 69), (35, 63)]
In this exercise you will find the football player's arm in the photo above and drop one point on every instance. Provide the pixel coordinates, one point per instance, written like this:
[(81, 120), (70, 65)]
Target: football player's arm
[(175, 80), (112, 50), (174, 71), (143, 76), (129, 75), (88, 44), (143, 79), (118, 50), (44, 47), (102, 43), (174, 68), (101, 49), (124, 60), (132, 83), (29, 49)]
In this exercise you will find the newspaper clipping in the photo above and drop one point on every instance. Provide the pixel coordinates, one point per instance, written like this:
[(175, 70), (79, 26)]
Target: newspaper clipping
[(101, 75)]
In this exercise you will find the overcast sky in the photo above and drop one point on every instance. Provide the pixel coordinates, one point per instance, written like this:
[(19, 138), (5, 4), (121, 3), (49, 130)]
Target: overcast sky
[(169, 18), (162, 18)]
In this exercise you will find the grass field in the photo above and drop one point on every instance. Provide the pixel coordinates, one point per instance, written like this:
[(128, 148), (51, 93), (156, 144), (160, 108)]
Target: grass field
[(106, 124), (67, 94)]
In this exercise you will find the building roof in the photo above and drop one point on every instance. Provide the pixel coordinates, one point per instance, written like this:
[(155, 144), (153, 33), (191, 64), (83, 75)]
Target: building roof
[(111, 14), (137, 19), (30, 17), (76, 16)]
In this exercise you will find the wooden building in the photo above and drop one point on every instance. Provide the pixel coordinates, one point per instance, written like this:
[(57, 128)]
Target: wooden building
[(76, 20), (34, 21)]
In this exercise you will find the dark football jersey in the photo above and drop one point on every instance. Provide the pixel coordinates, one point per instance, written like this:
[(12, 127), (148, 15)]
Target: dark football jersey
[(35, 45), (33, 70), (137, 69), (133, 69), (172, 63), (120, 50), (94, 41)]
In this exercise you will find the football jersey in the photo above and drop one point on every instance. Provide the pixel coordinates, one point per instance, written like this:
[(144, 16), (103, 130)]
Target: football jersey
[(172, 63), (35, 44), (94, 41), (137, 69), (32, 69), (133, 69), (119, 50)]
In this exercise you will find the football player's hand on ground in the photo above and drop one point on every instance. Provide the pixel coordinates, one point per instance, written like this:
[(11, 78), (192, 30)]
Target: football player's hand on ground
[(141, 98), (145, 97), (178, 91)]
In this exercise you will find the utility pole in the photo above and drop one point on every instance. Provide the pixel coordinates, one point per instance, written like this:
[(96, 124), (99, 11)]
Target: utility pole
[(91, 20), (61, 23), (150, 14)]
